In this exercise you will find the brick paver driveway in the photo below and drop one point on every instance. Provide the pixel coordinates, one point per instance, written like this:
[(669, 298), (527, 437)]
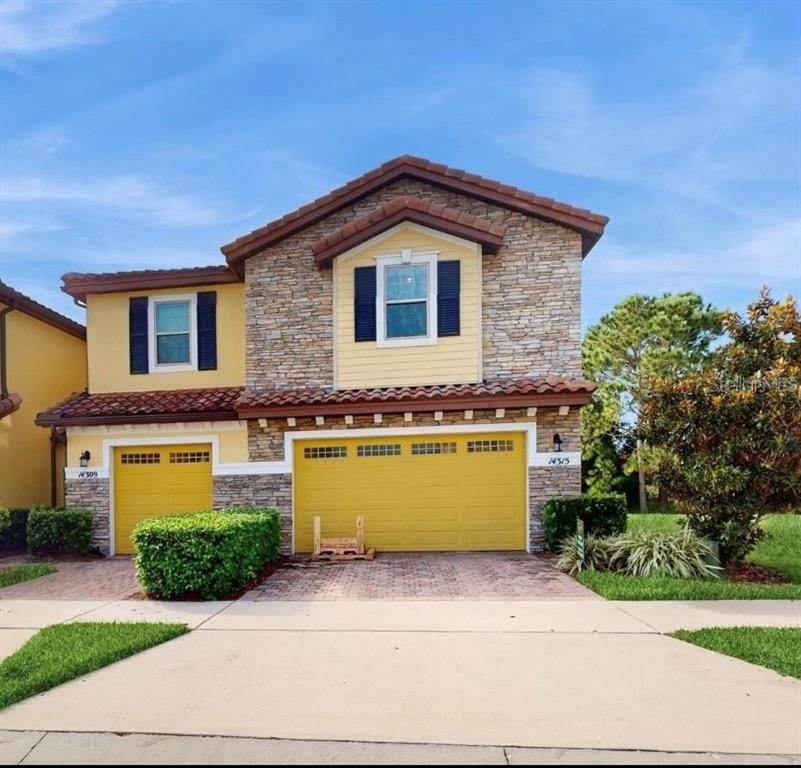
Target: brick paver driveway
[(419, 576), (111, 578)]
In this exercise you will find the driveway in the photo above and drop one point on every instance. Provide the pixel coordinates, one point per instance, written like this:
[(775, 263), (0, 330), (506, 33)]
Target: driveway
[(514, 674)]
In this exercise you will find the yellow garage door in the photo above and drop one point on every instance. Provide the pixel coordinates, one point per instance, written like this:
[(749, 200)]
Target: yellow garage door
[(158, 480), (422, 492)]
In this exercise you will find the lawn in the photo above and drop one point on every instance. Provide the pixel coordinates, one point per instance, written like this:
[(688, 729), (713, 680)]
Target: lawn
[(63, 652), (781, 550), (16, 574), (777, 648)]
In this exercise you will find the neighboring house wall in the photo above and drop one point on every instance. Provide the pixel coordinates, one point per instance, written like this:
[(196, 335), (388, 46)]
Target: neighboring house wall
[(531, 298), (107, 336), (45, 365), (453, 359)]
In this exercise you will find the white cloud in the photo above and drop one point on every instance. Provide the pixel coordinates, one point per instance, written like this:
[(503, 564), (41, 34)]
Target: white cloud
[(10, 230), (125, 196), (32, 27)]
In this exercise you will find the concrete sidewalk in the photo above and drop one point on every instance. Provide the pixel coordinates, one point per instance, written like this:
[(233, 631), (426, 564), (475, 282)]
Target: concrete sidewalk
[(33, 748), (559, 675)]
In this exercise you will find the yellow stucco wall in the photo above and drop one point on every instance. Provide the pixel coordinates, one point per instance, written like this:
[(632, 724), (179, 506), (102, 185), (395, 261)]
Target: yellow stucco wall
[(109, 365), (453, 359), (233, 439), (45, 365)]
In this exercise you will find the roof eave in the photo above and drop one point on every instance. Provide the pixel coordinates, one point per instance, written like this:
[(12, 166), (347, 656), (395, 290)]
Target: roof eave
[(44, 420)]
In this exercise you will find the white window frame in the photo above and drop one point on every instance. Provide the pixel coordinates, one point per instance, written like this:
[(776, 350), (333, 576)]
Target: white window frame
[(153, 365), (406, 256)]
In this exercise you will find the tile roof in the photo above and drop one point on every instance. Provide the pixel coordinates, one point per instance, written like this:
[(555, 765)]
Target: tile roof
[(11, 296), (408, 208), (491, 394), (79, 284), (128, 407), (9, 404), (590, 225)]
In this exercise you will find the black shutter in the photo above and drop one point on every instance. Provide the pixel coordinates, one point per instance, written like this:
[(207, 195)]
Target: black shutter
[(137, 334), (448, 287), (207, 331), (364, 303)]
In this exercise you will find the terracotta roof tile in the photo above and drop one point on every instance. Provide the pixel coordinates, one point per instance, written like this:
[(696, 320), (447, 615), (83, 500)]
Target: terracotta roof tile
[(126, 407), (9, 404), (10, 296), (521, 392), (484, 231), (590, 224)]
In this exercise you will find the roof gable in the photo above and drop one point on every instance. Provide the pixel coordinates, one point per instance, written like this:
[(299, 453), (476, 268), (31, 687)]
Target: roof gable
[(589, 225), (13, 298)]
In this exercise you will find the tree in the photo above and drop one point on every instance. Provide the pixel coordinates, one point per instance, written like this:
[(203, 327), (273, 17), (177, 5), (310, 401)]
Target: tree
[(642, 338), (727, 441)]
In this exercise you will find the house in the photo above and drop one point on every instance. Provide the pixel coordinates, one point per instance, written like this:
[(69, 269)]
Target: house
[(406, 347), (42, 359)]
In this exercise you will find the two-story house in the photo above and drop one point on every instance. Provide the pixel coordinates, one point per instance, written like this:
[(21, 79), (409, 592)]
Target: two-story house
[(42, 359), (406, 347)]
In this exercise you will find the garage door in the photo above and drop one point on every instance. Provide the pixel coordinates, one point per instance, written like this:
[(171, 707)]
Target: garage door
[(451, 492), (158, 480)]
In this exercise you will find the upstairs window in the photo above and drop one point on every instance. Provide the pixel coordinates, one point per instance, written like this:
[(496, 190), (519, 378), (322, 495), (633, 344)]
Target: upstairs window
[(173, 333), (406, 295)]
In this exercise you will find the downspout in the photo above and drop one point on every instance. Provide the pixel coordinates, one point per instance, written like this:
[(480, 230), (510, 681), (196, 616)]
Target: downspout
[(56, 438), (4, 351)]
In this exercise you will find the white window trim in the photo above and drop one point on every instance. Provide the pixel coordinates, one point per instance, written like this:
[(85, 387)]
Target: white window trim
[(406, 256), (153, 365)]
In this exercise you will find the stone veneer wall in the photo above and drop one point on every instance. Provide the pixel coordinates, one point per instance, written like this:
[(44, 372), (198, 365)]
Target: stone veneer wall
[(267, 444), (531, 298), (92, 494)]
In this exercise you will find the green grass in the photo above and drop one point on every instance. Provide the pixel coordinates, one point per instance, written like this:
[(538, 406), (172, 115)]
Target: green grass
[(63, 652), (16, 574), (614, 586), (777, 648), (781, 550)]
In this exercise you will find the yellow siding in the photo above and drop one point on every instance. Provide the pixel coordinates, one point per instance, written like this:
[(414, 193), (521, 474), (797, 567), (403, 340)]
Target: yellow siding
[(454, 359), (233, 442), (109, 365), (45, 365)]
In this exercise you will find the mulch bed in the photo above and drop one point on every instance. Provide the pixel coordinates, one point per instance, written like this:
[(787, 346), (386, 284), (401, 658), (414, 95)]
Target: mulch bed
[(756, 574)]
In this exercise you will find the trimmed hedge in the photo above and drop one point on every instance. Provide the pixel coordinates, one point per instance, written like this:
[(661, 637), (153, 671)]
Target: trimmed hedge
[(603, 515), (210, 554), (59, 531), (15, 536)]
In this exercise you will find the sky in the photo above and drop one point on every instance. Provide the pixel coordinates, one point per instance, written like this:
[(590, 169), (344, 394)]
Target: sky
[(146, 134)]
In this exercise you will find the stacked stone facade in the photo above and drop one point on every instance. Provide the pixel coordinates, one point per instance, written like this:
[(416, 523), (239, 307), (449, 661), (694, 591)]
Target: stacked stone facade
[(92, 494)]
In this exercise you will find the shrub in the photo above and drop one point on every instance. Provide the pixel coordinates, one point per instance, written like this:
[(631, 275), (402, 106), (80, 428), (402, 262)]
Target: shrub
[(5, 518), (62, 531), (603, 515), (596, 554), (211, 554), (653, 553), (15, 536)]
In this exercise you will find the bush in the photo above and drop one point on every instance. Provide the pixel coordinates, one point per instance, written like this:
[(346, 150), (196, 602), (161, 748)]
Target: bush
[(5, 518), (14, 536), (596, 554), (210, 554), (59, 531), (603, 515)]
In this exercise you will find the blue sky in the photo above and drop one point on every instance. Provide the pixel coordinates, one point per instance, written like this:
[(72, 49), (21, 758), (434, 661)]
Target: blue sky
[(146, 134)]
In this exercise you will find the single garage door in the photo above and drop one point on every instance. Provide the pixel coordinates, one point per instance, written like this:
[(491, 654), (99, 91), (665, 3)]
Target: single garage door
[(422, 492), (158, 480)]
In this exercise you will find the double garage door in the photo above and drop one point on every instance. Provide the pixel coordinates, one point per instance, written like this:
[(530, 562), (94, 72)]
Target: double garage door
[(420, 492)]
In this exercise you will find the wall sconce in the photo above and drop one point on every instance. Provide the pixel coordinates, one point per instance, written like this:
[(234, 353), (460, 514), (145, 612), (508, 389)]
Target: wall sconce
[(84, 458), (557, 442)]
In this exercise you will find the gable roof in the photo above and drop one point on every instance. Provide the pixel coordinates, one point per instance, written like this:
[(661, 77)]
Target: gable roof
[(588, 224), (29, 306), (80, 284), (408, 208)]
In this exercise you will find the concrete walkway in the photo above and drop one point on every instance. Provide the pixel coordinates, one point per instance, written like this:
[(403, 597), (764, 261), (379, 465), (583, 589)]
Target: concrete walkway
[(530, 675)]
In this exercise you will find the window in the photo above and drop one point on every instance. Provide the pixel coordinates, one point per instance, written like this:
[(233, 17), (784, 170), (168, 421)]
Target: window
[(489, 446), (173, 324), (406, 294), (427, 449), (363, 451), (326, 452), (190, 457), (140, 458)]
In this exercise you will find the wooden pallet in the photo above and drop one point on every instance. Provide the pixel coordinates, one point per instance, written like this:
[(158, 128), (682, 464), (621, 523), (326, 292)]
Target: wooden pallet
[(341, 548)]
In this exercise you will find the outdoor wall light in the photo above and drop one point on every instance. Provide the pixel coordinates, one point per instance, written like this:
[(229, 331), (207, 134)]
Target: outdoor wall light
[(557, 442), (84, 458)]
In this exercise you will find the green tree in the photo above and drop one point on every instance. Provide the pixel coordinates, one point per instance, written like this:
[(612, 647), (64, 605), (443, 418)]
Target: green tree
[(727, 441), (641, 338)]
